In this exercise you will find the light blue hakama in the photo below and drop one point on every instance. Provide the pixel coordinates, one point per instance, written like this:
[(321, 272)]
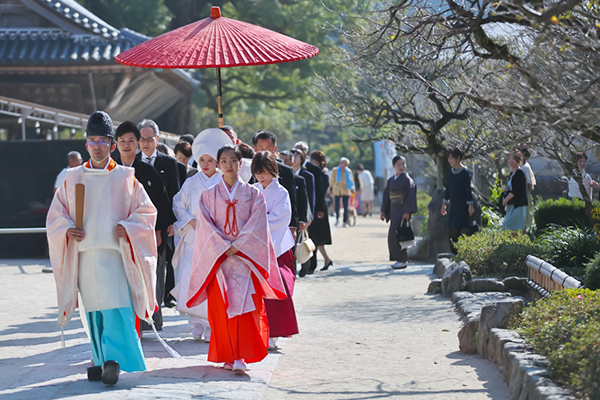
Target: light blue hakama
[(113, 337)]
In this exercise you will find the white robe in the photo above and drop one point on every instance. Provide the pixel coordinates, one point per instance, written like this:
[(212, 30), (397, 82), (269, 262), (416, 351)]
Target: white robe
[(108, 271), (366, 186), (279, 212), (185, 206)]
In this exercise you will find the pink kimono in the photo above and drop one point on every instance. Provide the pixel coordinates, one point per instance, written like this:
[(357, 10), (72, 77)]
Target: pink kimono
[(236, 285)]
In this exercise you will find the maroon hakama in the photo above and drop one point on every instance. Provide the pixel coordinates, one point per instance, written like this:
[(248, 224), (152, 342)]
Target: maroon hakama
[(281, 314)]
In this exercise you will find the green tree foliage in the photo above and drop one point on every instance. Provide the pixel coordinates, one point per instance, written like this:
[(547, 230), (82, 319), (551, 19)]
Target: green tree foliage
[(149, 17)]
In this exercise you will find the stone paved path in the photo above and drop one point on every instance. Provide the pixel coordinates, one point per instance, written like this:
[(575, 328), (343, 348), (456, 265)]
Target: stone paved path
[(367, 332)]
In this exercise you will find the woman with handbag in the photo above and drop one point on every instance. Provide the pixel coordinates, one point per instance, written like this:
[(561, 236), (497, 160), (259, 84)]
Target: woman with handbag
[(458, 194), (398, 203), (515, 200), (281, 314)]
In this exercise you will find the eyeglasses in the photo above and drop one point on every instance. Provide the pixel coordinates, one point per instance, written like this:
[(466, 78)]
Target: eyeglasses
[(101, 142), (148, 139)]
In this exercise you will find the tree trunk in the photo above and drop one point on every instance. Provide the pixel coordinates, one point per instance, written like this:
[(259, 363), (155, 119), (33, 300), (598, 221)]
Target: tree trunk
[(440, 171)]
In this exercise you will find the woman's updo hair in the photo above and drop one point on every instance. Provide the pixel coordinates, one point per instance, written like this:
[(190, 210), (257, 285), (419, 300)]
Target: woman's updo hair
[(319, 157), (581, 155), (246, 150), (229, 147), (184, 148), (398, 158), (456, 153), (516, 155), (264, 161), (525, 153)]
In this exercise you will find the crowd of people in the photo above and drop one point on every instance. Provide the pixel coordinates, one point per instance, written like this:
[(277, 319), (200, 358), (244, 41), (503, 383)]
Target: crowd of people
[(210, 230)]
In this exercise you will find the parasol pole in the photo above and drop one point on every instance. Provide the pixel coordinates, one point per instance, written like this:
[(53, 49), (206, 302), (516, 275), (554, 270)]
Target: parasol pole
[(219, 98)]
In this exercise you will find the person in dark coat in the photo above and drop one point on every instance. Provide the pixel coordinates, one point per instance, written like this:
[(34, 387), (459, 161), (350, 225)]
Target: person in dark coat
[(319, 230), (298, 158), (127, 136), (458, 194), (303, 188), (169, 172), (398, 203)]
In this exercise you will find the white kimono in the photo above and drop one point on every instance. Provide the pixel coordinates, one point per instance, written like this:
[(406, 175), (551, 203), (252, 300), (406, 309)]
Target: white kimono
[(185, 206), (108, 271), (279, 212)]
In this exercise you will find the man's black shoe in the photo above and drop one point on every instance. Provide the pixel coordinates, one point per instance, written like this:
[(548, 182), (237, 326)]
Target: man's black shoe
[(110, 372), (94, 373)]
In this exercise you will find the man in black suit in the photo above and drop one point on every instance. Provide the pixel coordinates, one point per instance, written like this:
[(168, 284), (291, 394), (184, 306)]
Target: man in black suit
[(265, 140), (303, 192), (127, 136), (169, 172), (320, 190), (300, 156)]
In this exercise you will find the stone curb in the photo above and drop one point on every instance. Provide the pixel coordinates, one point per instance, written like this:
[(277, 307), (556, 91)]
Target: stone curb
[(525, 372)]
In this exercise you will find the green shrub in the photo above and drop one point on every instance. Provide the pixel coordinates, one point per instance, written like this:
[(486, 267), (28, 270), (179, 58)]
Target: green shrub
[(591, 277), (568, 248), (495, 252), (563, 212), (490, 218), (565, 328), (423, 200)]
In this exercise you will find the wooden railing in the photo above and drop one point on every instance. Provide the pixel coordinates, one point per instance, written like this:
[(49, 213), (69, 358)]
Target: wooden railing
[(68, 119), (545, 277)]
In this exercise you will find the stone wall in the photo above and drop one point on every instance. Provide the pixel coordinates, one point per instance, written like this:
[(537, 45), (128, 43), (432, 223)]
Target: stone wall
[(486, 306)]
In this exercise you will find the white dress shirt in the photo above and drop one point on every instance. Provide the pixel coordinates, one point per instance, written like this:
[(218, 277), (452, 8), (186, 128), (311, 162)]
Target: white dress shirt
[(149, 160)]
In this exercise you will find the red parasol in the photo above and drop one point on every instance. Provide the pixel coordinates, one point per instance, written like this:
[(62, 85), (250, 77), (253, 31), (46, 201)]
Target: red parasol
[(216, 42)]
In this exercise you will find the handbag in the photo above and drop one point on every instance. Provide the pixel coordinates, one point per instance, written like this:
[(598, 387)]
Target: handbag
[(503, 196), (405, 235), (304, 248)]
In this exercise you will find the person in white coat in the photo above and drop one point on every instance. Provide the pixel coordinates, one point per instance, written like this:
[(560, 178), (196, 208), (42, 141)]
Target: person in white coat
[(281, 314), (185, 206), (367, 190)]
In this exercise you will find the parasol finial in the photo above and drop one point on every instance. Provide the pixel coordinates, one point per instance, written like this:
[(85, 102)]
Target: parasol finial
[(215, 12)]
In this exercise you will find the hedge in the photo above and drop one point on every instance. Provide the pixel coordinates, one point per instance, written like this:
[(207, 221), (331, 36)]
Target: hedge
[(563, 212), (565, 328), (496, 252)]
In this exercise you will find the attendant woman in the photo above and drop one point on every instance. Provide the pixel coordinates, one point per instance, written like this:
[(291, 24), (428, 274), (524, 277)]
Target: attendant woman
[(398, 203), (515, 201), (234, 266), (458, 195), (185, 206), (319, 230), (281, 314)]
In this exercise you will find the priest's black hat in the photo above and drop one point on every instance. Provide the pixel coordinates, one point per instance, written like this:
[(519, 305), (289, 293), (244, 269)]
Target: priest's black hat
[(99, 124)]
